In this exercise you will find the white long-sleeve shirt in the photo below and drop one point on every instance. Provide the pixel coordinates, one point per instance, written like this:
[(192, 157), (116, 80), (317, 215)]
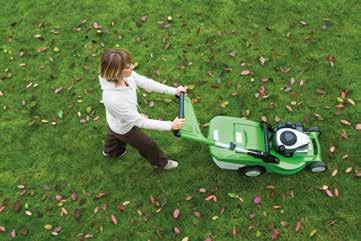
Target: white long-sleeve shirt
[(121, 104)]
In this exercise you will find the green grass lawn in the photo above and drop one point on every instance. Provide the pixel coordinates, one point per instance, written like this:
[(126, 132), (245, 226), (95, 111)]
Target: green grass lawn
[(52, 124)]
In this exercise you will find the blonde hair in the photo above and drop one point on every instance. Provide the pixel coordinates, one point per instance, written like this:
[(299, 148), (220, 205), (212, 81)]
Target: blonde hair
[(112, 63)]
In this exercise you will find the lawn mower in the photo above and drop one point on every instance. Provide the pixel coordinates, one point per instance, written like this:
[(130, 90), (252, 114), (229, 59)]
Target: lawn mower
[(254, 147)]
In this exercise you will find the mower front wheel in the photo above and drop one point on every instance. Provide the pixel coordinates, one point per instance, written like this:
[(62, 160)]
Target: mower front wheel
[(317, 167), (252, 171)]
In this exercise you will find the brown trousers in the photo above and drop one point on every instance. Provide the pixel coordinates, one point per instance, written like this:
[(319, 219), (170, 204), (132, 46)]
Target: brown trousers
[(115, 144)]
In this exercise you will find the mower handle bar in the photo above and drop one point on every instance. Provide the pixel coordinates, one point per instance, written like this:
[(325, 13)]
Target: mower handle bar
[(180, 111)]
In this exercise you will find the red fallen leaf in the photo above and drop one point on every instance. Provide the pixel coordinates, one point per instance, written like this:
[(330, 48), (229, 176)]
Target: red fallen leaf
[(197, 214), (96, 25), (114, 219), (74, 196), (298, 226), (358, 126), (246, 72), (203, 190), (328, 193), (2, 229), (101, 194), (211, 197), (208, 239), (176, 213), (233, 53), (275, 234), (345, 122), (343, 94), (13, 233), (257, 200), (177, 230)]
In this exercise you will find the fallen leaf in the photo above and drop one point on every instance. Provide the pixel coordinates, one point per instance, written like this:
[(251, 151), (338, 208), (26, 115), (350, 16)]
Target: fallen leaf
[(114, 219), (13, 233), (336, 192), (246, 72), (1, 93), (328, 193), (2, 229), (211, 197), (345, 122), (358, 127), (298, 226), (197, 214), (351, 101), (331, 59), (257, 200), (224, 104), (332, 149), (48, 226), (313, 232), (275, 234), (101, 194), (334, 172), (121, 207), (96, 26), (348, 170), (143, 18), (177, 230), (74, 196), (185, 239), (176, 213), (233, 53), (188, 198), (202, 190)]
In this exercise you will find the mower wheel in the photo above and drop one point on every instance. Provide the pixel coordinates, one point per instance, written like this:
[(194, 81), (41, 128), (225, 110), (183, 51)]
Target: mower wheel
[(317, 167), (252, 171)]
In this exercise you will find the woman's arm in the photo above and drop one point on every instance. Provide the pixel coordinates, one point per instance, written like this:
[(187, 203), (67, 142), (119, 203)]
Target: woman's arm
[(123, 112), (151, 85)]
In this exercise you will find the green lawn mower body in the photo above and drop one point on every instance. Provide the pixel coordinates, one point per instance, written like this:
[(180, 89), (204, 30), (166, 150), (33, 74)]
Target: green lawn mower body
[(249, 146)]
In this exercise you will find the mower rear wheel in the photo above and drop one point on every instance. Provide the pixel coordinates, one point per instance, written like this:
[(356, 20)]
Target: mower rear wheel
[(252, 171), (317, 167)]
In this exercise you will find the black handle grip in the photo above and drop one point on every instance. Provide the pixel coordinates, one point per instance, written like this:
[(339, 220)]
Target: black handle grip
[(181, 111)]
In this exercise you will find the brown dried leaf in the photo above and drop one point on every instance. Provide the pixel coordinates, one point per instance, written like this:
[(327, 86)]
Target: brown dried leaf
[(101, 194), (334, 172), (298, 226), (197, 214), (202, 190), (357, 127), (233, 53), (345, 122)]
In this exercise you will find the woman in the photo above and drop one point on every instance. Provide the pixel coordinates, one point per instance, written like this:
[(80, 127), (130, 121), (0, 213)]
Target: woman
[(119, 84)]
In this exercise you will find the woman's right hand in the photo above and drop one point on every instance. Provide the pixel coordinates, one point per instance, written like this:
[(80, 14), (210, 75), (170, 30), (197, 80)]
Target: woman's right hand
[(177, 123)]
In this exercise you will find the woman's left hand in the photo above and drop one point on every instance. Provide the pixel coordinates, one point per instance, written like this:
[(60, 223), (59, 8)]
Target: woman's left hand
[(180, 89)]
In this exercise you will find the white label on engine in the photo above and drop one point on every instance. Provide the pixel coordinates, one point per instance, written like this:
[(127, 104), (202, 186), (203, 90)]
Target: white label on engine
[(238, 137)]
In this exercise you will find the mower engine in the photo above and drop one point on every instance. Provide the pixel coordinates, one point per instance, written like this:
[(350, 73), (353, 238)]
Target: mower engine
[(289, 139)]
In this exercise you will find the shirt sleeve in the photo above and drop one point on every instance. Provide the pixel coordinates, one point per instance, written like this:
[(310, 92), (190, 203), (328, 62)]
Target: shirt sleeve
[(151, 85), (124, 113)]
